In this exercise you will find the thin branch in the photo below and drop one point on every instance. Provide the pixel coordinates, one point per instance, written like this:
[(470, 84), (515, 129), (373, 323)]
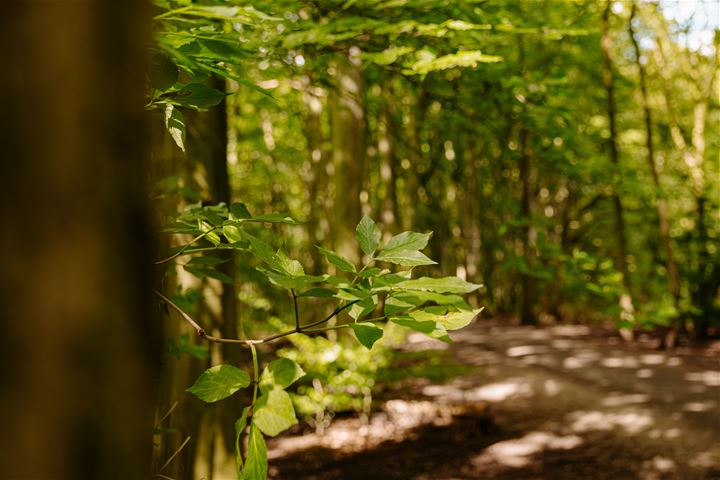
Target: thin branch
[(202, 333), (186, 317), (345, 325), (170, 410), (185, 247), (297, 317), (335, 312), (174, 454)]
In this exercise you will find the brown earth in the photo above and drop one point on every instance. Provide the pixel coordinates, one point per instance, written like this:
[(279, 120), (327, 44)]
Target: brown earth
[(556, 403)]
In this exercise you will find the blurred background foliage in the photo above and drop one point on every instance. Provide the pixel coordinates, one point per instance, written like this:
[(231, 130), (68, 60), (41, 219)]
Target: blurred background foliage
[(565, 155)]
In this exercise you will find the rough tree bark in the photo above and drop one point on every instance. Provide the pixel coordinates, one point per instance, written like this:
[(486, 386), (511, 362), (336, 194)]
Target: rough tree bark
[(78, 335)]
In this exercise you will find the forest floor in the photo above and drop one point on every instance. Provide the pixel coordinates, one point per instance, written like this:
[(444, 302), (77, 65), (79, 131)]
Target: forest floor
[(555, 403)]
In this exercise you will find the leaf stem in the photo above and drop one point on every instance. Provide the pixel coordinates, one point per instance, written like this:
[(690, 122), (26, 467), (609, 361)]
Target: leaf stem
[(256, 370)]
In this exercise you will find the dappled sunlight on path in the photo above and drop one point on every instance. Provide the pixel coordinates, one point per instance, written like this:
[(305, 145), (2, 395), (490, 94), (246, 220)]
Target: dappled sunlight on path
[(557, 403)]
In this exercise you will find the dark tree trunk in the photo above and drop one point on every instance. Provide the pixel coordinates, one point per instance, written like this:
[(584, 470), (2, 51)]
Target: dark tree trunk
[(78, 335)]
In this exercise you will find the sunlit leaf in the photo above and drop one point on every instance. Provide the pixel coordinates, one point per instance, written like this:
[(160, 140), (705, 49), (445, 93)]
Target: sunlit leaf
[(256, 463), (406, 258), (219, 382), (368, 235), (175, 124), (339, 261), (273, 412), (280, 373), (439, 285)]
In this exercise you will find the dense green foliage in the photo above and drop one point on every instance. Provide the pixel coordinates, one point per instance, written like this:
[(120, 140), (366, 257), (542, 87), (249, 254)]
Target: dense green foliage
[(564, 157)]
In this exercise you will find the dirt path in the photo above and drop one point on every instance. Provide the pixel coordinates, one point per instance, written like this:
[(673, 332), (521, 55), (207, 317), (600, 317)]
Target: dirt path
[(560, 403)]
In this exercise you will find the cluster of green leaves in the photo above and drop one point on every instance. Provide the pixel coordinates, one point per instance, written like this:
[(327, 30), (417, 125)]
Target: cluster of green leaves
[(192, 44), (272, 410), (432, 306)]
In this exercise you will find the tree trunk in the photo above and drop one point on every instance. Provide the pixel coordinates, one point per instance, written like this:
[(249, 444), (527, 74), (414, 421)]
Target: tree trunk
[(527, 313), (79, 336), (317, 181), (626, 303), (661, 204), (348, 152)]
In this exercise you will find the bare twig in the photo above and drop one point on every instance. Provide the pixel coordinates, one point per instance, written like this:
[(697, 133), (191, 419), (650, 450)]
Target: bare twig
[(164, 477), (174, 454), (170, 410)]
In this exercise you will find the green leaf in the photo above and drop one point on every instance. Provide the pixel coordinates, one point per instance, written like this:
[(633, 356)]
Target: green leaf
[(232, 233), (339, 261), (262, 250), (439, 285), (352, 294), (175, 125), (363, 307), (256, 463), (162, 72), (449, 320), (292, 267), (418, 297), (371, 272), (429, 328), (408, 258), (319, 292), (207, 260), (274, 412), (209, 273), (219, 382), (240, 425), (198, 95), (367, 333), (280, 373), (368, 235), (407, 241), (395, 305), (239, 210)]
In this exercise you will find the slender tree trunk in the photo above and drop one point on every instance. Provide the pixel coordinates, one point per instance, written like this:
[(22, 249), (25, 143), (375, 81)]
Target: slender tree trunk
[(626, 303), (527, 313), (388, 162), (317, 177), (348, 143), (661, 204), (79, 335)]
